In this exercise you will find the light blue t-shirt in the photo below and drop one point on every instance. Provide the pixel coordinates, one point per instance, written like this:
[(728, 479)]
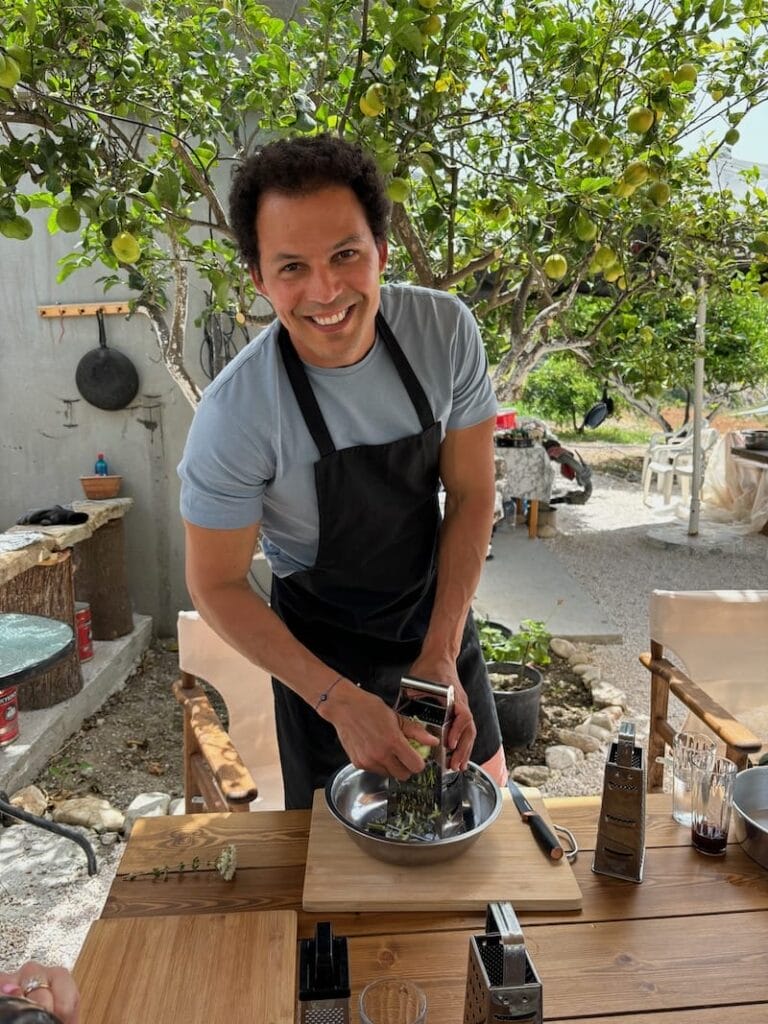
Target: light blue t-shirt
[(249, 457)]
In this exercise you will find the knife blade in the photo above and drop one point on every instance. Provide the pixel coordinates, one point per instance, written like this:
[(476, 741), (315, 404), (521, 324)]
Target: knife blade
[(542, 833)]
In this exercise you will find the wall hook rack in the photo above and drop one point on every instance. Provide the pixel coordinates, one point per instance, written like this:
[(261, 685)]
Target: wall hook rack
[(84, 309)]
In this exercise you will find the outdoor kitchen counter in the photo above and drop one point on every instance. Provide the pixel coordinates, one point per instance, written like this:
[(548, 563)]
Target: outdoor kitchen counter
[(57, 538), (687, 945)]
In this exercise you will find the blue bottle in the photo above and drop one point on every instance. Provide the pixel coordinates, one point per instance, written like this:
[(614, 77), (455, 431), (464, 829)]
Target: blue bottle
[(101, 468)]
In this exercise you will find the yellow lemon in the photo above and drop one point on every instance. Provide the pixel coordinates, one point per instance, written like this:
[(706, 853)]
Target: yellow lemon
[(125, 247)]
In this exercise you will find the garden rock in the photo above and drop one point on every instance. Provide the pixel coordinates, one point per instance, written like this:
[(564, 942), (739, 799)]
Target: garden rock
[(30, 799), (580, 668), (562, 648), (531, 774), (580, 740), (89, 811), (562, 758), (592, 676), (605, 694), (146, 805), (588, 728)]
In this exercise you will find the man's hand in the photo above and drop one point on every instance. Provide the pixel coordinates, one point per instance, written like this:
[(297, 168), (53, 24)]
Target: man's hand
[(375, 738), (461, 737)]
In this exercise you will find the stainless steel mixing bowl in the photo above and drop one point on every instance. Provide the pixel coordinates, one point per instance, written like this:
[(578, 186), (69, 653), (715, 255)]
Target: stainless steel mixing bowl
[(750, 812), (356, 797)]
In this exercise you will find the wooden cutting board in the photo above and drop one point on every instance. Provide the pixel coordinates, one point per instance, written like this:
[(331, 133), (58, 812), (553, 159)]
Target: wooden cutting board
[(503, 864), (206, 969)]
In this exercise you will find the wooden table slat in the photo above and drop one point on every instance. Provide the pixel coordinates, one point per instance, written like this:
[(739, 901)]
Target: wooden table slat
[(617, 967)]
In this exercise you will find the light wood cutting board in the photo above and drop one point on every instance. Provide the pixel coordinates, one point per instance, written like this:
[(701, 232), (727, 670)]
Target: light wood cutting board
[(206, 969), (505, 864)]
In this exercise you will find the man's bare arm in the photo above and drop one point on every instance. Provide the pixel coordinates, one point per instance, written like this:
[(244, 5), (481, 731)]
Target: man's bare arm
[(217, 565), (467, 472)]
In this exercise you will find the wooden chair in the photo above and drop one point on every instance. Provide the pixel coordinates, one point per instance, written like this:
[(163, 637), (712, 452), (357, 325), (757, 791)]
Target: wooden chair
[(721, 638), (219, 766)]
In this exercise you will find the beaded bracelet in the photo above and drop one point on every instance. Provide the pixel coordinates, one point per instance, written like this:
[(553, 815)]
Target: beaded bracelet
[(324, 696)]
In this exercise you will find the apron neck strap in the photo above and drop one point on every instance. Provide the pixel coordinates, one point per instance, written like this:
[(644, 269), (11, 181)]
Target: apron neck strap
[(305, 396), (404, 369)]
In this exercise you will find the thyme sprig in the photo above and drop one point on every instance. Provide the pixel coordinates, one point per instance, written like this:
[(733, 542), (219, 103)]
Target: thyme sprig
[(225, 864)]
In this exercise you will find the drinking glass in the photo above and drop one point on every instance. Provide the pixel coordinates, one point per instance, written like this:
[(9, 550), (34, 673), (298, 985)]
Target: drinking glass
[(684, 746), (711, 802), (392, 1001)]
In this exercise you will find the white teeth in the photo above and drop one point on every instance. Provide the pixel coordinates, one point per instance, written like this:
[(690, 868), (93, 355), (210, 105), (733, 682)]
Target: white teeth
[(327, 321)]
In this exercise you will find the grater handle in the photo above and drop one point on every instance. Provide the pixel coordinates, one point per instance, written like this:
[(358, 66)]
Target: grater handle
[(626, 744), (501, 920), (323, 973), (423, 686)]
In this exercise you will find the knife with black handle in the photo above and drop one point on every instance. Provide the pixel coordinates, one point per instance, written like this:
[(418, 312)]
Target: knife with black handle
[(542, 833)]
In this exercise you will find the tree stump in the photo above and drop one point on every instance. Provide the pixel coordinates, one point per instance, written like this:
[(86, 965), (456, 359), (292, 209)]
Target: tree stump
[(100, 579), (46, 589)]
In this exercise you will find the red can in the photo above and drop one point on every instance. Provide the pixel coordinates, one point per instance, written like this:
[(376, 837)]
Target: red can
[(9, 716), (83, 630)]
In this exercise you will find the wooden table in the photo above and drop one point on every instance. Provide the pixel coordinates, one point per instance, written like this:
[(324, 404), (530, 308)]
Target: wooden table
[(688, 945)]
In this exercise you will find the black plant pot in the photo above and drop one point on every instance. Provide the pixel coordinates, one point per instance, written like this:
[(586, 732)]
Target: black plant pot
[(518, 710)]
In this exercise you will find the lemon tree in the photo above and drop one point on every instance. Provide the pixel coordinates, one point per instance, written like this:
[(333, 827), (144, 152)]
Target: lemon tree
[(537, 156)]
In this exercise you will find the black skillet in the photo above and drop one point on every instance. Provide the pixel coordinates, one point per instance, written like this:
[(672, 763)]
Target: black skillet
[(105, 377)]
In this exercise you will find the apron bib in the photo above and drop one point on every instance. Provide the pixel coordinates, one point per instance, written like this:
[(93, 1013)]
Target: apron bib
[(364, 606)]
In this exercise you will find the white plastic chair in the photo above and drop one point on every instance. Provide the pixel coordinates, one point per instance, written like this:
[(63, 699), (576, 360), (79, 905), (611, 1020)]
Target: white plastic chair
[(238, 770), (721, 638), (673, 463)]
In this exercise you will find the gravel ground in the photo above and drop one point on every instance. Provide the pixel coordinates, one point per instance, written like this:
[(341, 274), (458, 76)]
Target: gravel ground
[(47, 900)]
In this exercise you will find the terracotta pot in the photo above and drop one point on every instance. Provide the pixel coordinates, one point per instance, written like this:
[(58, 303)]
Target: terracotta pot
[(99, 487)]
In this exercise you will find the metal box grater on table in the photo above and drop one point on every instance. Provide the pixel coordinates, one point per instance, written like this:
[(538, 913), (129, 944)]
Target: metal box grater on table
[(502, 983)]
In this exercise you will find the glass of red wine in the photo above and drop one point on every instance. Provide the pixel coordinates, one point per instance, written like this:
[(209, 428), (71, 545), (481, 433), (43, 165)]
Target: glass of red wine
[(711, 802)]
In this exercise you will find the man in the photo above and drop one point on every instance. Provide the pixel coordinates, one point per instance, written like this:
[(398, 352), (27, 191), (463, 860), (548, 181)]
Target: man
[(328, 436)]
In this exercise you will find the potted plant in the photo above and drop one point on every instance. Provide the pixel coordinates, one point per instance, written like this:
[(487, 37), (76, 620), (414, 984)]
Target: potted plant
[(516, 681)]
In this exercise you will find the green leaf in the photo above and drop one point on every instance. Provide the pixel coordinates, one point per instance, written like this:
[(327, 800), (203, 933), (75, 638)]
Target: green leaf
[(167, 187), (588, 185)]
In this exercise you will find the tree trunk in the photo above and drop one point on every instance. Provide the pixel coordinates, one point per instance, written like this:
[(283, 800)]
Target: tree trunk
[(100, 579), (46, 589)]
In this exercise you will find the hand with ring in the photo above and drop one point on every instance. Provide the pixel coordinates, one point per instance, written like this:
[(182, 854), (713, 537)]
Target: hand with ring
[(36, 994)]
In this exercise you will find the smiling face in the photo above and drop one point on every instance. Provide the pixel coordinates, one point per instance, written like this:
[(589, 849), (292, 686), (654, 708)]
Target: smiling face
[(319, 266)]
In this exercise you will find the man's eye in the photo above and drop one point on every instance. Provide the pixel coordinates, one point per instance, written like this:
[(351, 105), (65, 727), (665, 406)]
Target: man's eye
[(346, 254), (289, 268)]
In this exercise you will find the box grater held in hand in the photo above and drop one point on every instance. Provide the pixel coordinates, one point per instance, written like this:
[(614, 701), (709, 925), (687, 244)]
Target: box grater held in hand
[(438, 791), (502, 983)]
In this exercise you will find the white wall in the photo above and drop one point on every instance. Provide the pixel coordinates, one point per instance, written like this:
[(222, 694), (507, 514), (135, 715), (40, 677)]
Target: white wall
[(49, 434)]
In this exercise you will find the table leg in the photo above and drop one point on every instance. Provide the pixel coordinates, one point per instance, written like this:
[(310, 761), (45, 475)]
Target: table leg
[(533, 518)]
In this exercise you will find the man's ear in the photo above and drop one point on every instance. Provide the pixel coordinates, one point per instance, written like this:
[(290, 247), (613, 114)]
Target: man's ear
[(257, 281), (383, 250)]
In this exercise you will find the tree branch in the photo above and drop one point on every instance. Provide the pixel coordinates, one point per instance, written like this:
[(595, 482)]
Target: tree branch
[(449, 280), (204, 184), (411, 242)]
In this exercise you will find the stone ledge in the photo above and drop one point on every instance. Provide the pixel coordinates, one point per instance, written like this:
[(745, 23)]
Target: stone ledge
[(42, 733)]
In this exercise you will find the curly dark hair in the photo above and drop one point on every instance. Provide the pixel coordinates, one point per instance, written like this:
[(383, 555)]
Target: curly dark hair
[(300, 166)]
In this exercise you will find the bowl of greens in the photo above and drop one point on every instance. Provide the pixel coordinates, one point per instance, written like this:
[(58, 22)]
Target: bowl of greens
[(358, 800)]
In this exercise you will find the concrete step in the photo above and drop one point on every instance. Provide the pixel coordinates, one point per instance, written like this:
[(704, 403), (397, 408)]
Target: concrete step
[(42, 733), (525, 580)]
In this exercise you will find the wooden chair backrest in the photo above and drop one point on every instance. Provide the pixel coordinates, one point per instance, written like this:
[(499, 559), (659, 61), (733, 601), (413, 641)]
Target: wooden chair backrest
[(721, 638), (247, 691)]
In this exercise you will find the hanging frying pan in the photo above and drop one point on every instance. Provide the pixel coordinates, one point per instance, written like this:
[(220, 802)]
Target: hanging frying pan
[(105, 377)]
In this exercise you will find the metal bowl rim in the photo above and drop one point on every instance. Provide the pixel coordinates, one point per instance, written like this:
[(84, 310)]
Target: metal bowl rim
[(761, 769), (419, 845)]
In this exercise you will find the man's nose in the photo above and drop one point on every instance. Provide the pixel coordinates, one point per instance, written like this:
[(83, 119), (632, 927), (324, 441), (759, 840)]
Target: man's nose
[(325, 285)]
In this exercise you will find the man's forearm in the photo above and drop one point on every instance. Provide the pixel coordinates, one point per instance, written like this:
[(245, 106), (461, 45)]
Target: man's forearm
[(249, 625), (463, 546)]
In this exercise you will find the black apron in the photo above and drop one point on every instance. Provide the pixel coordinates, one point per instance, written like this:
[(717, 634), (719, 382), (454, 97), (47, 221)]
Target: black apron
[(364, 607)]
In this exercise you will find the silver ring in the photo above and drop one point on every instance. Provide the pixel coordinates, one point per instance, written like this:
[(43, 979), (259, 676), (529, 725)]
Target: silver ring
[(34, 983)]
